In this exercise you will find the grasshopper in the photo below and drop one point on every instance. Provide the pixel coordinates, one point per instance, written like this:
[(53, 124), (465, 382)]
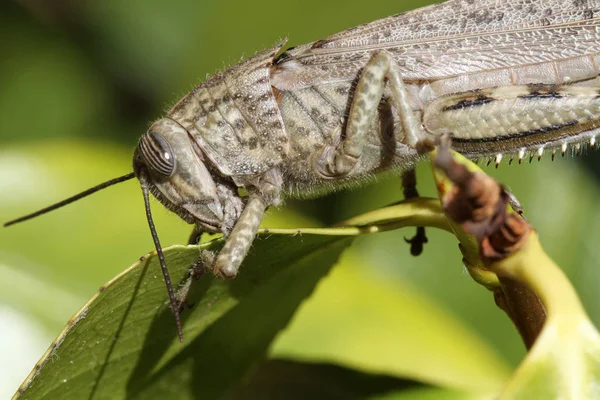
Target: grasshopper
[(503, 78)]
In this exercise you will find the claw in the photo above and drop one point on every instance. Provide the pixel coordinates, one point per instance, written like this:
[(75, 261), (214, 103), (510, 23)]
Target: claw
[(417, 242)]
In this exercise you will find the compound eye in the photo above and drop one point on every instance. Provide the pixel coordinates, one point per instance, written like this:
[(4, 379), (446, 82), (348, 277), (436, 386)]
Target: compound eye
[(157, 153)]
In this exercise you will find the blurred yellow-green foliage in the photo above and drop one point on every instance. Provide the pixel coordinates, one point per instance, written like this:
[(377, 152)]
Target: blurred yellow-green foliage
[(80, 81)]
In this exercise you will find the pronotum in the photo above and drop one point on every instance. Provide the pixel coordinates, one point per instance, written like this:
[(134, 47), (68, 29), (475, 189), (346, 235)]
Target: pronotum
[(505, 79)]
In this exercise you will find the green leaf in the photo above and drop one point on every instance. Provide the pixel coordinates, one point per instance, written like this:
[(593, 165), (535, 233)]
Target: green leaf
[(363, 320), (433, 393), (61, 258), (123, 341), (42, 259), (564, 362), (290, 380)]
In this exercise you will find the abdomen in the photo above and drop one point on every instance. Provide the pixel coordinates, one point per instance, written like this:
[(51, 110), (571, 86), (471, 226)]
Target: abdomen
[(314, 117)]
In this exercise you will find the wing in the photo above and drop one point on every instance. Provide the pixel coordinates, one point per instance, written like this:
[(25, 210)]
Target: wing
[(453, 38)]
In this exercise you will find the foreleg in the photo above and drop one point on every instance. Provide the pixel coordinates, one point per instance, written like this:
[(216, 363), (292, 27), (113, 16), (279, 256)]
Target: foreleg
[(195, 235), (240, 239)]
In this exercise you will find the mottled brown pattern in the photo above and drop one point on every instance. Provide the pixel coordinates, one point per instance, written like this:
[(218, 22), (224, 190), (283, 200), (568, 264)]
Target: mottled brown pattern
[(235, 119)]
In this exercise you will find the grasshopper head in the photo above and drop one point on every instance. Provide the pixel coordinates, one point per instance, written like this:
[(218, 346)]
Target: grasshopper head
[(165, 161)]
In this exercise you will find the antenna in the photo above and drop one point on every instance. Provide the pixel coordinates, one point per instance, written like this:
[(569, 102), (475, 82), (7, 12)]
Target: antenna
[(71, 199), (161, 258)]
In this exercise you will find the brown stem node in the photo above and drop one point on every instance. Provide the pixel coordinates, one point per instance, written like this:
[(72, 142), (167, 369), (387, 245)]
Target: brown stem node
[(479, 204)]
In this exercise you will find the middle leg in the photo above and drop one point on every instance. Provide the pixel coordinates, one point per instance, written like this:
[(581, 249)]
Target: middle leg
[(409, 186), (336, 161)]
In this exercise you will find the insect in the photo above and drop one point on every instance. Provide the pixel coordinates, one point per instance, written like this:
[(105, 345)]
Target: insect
[(503, 78)]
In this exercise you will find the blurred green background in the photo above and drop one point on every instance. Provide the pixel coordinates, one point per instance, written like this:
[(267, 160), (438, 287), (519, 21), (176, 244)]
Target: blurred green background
[(80, 81)]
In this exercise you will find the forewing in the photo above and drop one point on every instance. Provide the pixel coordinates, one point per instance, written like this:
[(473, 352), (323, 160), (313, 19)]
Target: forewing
[(450, 39)]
